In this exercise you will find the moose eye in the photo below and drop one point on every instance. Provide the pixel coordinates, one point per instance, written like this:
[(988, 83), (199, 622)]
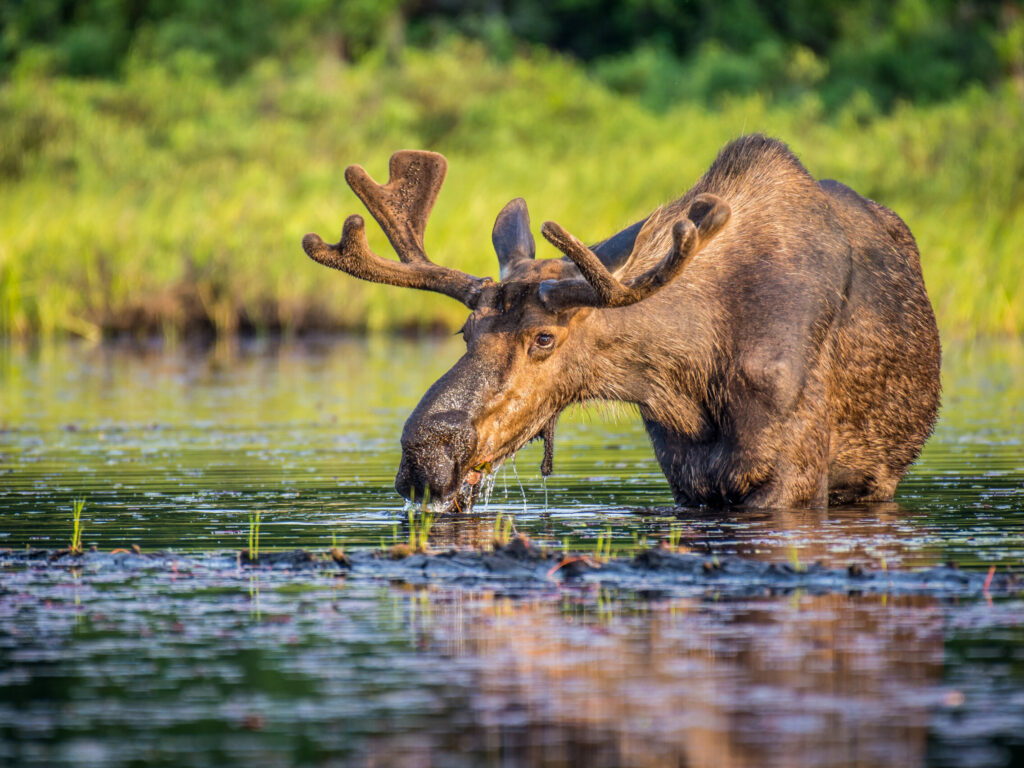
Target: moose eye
[(544, 340)]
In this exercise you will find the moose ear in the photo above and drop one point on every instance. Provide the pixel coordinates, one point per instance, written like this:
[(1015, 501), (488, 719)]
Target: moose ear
[(709, 213), (511, 236), (615, 251)]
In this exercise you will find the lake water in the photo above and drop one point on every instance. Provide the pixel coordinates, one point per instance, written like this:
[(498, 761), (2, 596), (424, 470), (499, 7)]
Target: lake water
[(178, 449)]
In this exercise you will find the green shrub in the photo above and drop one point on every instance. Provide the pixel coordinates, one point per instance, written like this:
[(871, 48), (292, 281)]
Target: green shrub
[(170, 199)]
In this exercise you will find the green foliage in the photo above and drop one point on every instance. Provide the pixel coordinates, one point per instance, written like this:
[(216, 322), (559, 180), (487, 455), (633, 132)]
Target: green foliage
[(890, 49), (171, 200), (98, 37)]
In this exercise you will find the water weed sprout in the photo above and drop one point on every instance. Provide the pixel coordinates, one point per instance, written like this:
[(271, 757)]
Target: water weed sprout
[(504, 527), (76, 534), (496, 538), (254, 536), (674, 534), (419, 528), (604, 545)]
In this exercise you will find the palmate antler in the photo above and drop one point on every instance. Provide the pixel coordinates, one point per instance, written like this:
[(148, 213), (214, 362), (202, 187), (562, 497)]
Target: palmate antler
[(401, 207), (706, 216)]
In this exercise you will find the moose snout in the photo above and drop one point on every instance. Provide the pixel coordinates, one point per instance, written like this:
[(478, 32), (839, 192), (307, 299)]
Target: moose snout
[(435, 451)]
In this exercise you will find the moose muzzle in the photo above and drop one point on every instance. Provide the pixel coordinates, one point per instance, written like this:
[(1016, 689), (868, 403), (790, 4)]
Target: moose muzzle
[(435, 452)]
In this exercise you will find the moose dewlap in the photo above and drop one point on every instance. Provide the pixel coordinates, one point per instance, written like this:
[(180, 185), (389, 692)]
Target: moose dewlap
[(774, 332)]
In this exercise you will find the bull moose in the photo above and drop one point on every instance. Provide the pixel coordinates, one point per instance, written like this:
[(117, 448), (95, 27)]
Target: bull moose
[(773, 331)]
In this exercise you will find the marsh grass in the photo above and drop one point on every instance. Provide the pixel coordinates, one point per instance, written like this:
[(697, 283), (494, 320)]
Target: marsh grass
[(254, 536), (504, 528), (675, 533), (603, 548), (167, 200), (419, 528), (75, 547)]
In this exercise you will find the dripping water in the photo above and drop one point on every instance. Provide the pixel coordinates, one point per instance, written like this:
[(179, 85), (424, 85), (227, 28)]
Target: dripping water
[(522, 490), (488, 487)]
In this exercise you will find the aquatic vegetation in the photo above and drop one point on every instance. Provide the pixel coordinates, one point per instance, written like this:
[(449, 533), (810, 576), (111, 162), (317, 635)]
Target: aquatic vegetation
[(504, 527), (675, 532), (603, 550), (254, 536), (76, 534), (419, 527)]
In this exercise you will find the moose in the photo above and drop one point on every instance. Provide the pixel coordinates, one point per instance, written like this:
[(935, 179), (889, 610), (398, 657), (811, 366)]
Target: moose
[(772, 330)]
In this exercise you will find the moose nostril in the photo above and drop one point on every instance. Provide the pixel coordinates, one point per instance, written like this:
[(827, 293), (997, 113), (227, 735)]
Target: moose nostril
[(411, 482), (403, 480), (434, 452)]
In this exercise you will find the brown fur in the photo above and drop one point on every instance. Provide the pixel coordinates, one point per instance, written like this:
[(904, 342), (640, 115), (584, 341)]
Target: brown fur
[(793, 361)]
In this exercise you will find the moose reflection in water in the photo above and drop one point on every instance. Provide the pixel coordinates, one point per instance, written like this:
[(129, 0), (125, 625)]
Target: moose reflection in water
[(813, 680), (773, 331)]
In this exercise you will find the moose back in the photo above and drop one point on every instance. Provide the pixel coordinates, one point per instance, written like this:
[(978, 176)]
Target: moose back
[(773, 331)]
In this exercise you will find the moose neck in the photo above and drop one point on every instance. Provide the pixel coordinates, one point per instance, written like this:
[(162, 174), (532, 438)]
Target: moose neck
[(654, 356)]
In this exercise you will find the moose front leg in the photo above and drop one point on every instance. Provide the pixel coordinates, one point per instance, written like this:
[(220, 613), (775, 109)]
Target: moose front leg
[(717, 471)]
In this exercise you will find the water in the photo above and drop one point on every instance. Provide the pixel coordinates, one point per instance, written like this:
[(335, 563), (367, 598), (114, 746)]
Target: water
[(177, 449)]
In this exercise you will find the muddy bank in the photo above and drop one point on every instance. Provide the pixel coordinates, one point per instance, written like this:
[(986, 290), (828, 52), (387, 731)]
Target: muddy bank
[(521, 565)]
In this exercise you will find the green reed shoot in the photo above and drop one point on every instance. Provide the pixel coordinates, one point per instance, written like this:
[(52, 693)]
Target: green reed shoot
[(675, 533), (426, 523), (503, 529), (419, 528), (254, 536), (497, 530), (604, 545), (76, 534)]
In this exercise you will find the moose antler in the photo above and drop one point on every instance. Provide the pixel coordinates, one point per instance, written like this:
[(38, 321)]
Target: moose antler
[(706, 216), (401, 207)]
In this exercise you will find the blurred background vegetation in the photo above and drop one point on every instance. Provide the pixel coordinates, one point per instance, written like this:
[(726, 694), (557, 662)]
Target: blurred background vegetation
[(160, 160)]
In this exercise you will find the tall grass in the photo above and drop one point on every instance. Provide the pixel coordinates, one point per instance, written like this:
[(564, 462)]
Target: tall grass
[(168, 200)]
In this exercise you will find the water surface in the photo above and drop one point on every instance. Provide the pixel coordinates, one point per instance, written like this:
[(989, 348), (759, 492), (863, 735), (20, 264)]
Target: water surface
[(178, 448)]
